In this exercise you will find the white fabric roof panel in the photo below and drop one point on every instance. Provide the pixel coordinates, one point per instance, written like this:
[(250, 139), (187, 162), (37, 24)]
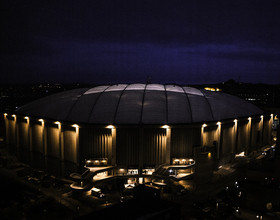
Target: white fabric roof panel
[(130, 107), (179, 111), (154, 107), (139, 103)]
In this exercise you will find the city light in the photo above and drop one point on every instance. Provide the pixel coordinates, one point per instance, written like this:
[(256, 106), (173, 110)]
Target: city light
[(110, 126)]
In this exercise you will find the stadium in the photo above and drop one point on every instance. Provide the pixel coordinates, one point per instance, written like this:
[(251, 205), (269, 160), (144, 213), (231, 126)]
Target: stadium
[(135, 130)]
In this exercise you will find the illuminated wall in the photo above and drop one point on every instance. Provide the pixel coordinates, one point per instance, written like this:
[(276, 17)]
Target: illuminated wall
[(128, 143), (154, 145), (243, 136), (183, 140), (95, 143), (37, 145), (209, 134), (23, 141), (228, 144), (53, 148), (61, 148)]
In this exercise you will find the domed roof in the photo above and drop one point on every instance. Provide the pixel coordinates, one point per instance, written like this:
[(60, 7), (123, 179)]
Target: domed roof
[(139, 103)]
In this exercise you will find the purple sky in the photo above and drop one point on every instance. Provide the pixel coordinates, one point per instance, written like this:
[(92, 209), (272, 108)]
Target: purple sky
[(184, 42)]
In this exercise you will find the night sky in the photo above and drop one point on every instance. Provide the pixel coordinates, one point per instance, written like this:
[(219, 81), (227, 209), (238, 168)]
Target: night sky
[(107, 42)]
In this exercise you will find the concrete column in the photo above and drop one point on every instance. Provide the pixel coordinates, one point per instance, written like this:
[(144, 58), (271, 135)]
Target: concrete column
[(6, 124), (78, 159), (168, 145), (235, 135), (261, 126), (30, 144), (141, 150), (218, 138), (249, 126), (45, 148), (61, 146), (114, 147), (202, 135)]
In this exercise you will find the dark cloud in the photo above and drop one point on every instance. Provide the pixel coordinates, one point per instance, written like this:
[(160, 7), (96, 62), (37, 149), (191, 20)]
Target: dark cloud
[(182, 41)]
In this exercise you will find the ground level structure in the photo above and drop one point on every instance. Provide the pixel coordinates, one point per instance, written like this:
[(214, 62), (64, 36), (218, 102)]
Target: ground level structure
[(135, 130)]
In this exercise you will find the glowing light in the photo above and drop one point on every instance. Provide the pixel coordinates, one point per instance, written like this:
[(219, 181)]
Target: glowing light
[(235, 121), (75, 125), (41, 120), (261, 116), (204, 125), (218, 123), (165, 126), (249, 118), (209, 155), (271, 115), (110, 126), (57, 122), (88, 161), (26, 117), (5, 114), (13, 116)]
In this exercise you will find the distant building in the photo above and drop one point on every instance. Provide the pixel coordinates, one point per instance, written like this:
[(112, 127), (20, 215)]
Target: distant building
[(133, 129)]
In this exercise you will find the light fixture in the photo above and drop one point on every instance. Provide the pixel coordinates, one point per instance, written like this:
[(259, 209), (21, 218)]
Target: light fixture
[(13, 116), (110, 126), (41, 120), (57, 122), (204, 125), (235, 120), (75, 125), (5, 114), (249, 118), (26, 117), (165, 126), (218, 123)]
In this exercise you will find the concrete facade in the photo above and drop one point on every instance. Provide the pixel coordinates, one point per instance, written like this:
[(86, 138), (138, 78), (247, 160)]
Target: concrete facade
[(61, 147)]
